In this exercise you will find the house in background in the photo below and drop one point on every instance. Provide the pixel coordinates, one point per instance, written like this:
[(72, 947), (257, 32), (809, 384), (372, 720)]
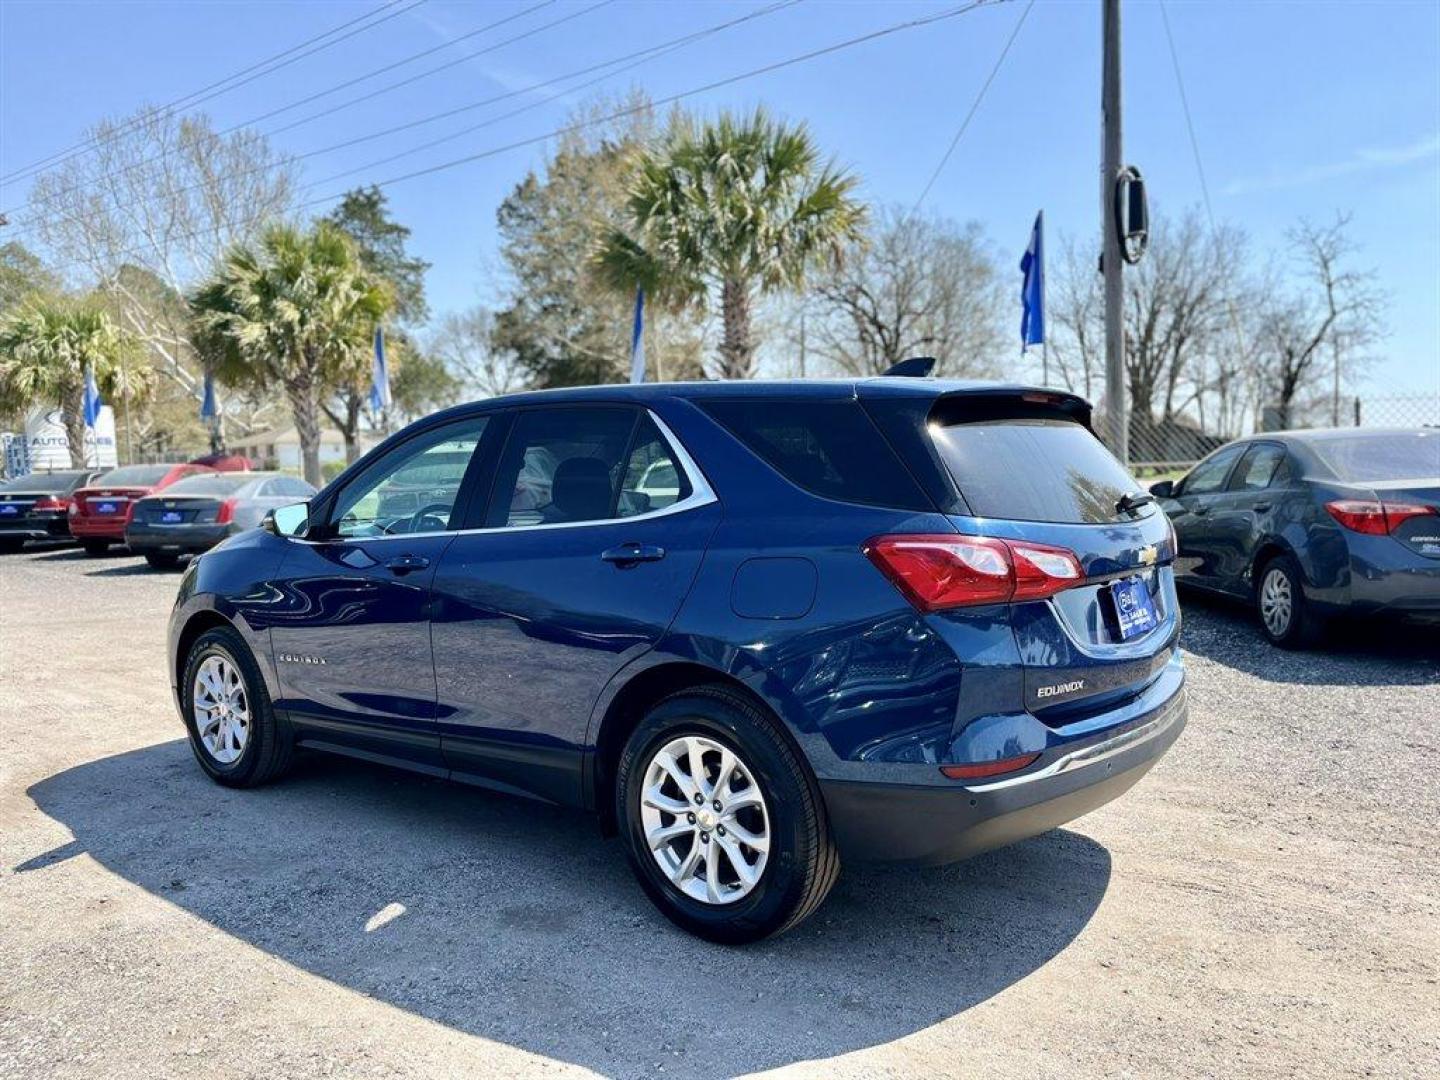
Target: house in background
[(279, 448)]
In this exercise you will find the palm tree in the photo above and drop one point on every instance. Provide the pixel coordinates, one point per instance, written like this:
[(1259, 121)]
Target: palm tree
[(296, 310), (736, 207), (46, 348)]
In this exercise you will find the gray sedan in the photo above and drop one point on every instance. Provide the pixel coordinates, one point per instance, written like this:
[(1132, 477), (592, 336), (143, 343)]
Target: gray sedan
[(195, 514)]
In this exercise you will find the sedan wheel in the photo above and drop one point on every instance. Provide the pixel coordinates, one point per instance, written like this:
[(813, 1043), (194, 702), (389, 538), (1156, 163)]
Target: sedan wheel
[(222, 713), (705, 820), (1277, 602)]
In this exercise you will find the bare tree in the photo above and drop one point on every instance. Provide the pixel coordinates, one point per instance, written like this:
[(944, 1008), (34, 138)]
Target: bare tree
[(168, 196), (920, 286), (463, 343), (1334, 313)]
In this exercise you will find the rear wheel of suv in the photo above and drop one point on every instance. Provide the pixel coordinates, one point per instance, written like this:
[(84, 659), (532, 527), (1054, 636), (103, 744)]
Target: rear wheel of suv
[(95, 547), (1285, 617), (162, 560), (722, 822), (232, 726)]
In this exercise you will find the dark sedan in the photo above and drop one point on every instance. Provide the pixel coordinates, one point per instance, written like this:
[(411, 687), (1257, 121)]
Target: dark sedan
[(195, 514), (37, 506), (1308, 525)]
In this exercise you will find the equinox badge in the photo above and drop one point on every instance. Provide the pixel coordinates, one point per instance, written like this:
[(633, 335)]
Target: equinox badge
[(1060, 688)]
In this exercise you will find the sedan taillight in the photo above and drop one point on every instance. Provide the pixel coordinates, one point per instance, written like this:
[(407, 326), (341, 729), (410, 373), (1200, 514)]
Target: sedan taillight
[(950, 570), (226, 513), (51, 502), (1374, 518)]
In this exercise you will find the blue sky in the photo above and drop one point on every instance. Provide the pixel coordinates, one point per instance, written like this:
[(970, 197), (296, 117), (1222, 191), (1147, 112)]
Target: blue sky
[(1300, 109)]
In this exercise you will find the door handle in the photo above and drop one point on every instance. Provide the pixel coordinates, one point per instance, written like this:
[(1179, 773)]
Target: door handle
[(1260, 508), (630, 554), (405, 564), (1200, 511)]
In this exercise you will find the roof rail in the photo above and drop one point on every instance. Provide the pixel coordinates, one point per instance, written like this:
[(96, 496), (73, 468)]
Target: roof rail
[(914, 367)]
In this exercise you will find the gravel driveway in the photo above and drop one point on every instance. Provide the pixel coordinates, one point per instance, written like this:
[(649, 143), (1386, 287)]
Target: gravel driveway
[(1263, 904)]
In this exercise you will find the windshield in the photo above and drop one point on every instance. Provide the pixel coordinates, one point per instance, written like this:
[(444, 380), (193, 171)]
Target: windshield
[(1033, 470), (61, 481), (211, 484), (1392, 456), (134, 475)]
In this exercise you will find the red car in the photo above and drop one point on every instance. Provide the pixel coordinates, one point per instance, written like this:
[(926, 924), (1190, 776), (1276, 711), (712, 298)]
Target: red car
[(99, 513)]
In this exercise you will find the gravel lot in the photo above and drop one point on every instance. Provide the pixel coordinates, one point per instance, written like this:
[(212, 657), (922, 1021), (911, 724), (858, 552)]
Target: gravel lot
[(1263, 904)]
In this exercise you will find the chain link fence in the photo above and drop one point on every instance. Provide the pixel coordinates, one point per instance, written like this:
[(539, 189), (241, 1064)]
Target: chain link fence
[(1164, 445)]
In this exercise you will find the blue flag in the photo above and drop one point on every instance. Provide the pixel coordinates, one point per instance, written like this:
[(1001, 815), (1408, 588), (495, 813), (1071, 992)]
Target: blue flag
[(92, 404), (637, 340), (208, 409), (380, 376), (1032, 291)]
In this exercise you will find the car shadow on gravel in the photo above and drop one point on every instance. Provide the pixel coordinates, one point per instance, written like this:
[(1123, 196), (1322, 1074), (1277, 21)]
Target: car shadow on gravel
[(515, 921), (134, 569), (1359, 653)]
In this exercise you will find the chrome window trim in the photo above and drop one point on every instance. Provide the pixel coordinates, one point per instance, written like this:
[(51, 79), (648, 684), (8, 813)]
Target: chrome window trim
[(701, 494)]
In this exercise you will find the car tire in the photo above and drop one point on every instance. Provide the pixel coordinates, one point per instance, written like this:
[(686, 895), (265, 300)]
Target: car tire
[(162, 560), (1286, 618), (95, 547), (258, 747), (800, 861), (9, 545)]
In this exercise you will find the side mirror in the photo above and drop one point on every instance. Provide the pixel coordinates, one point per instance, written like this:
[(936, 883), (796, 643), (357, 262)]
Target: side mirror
[(289, 520), (1163, 489)]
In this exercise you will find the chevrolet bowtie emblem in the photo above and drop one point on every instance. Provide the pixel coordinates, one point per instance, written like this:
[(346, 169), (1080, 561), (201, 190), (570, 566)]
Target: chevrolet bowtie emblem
[(1148, 555)]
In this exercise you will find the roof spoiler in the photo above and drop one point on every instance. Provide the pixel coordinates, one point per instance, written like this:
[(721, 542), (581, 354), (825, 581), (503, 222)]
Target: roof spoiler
[(914, 367)]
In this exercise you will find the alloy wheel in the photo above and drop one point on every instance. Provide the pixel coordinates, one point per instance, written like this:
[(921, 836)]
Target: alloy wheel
[(222, 710), (705, 819), (1277, 605)]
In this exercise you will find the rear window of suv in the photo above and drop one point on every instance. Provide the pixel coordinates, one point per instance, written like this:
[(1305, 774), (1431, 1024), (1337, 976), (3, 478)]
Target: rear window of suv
[(829, 448), (1033, 470)]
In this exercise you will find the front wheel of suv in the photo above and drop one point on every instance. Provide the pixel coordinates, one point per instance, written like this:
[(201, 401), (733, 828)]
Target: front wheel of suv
[(722, 822), (233, 729)]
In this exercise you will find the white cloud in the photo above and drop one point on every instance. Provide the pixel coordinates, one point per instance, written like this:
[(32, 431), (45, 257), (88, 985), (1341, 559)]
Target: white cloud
[(1366, 159)]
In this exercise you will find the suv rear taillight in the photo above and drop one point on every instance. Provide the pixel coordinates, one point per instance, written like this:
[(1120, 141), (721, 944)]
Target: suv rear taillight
[(949, 570), (51, 502), (1375, 518)]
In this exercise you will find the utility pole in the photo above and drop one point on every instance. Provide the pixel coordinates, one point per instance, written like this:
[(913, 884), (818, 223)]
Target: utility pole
[(1113, 263)]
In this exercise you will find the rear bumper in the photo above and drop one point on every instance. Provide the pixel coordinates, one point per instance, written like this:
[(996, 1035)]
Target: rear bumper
[(175, 538), (933, 824), (36, 528), (87, 528)]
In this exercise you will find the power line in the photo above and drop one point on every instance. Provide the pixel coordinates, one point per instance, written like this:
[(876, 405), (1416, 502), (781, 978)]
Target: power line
[(380, 71), (765, 69), (636, 58), (974, 108), (1199, 168), (217, 88)]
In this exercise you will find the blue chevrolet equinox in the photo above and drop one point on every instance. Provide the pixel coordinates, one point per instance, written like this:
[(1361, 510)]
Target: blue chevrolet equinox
[(757, 628)]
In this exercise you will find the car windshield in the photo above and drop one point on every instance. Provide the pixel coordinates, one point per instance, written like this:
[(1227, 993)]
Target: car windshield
[(41, 482), (211, 484), (138, 475), (1393, 456)]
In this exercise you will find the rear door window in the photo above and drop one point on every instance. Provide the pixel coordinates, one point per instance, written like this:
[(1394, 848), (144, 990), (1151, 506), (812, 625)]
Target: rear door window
[(828, 448), (1033, 470), (1258, 467), (562, 465), (652, 479)]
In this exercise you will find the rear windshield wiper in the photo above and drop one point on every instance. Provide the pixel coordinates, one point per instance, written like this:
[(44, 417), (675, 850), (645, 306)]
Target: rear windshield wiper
[(1134, 500)]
